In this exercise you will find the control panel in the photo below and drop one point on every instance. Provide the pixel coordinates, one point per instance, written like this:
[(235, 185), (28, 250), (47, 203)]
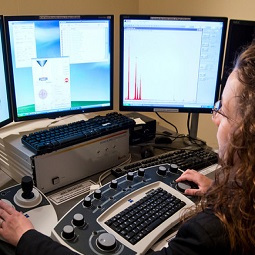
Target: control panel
[(127, 215)]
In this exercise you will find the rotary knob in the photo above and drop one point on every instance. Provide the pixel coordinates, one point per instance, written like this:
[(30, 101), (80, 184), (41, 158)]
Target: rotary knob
[(141, 172), (182, 186), (97, 194), (68, 232), (173, 168), (106, 242), (130, 176), (162, 170), (27, 187), (114, 184), (87, 202), (78, 220)]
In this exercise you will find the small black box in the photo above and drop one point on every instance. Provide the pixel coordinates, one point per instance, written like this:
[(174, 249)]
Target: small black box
[(144, 130)]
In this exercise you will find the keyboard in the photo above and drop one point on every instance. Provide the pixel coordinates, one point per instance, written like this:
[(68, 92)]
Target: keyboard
[(183, 159), (138, 220), (59, 137), (127, 215)]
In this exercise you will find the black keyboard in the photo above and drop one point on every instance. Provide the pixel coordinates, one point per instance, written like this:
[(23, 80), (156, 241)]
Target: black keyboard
[(142, 217), (183, 159), (59, 137)]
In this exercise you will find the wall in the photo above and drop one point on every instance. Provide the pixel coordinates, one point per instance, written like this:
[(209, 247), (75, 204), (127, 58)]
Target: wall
[(229, 8)]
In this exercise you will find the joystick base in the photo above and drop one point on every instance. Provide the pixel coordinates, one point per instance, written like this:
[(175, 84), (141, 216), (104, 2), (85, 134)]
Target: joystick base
[(30, 202), (38, 210)]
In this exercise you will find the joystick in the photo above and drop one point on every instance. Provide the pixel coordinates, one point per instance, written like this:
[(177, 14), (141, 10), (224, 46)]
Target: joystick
[(27, 187), (27, 196)]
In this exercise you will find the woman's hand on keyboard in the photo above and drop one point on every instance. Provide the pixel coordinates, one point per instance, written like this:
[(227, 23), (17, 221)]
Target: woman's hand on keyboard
[(202, 182)]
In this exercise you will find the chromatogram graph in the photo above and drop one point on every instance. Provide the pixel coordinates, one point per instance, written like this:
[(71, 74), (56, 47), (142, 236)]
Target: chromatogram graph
[(136, 85)]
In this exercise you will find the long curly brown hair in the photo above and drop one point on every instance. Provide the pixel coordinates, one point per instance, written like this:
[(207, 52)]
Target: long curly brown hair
[(232, 196)]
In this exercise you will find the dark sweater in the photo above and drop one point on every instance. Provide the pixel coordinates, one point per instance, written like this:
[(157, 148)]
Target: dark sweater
[(202, 234)]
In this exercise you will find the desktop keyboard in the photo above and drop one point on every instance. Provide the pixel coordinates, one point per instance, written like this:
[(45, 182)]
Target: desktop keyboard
[(183, 159), (55, 138)]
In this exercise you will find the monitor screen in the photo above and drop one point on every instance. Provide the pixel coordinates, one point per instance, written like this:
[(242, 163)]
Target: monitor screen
[(170, 63), (5, 103), (60, 65), (240, 34)]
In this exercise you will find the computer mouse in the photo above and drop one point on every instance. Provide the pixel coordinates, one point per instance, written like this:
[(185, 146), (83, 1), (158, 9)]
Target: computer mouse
[(163, 140), (147, 152)]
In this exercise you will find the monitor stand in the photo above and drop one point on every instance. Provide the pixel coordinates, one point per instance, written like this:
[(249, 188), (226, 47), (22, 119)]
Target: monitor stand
[(193, 131)]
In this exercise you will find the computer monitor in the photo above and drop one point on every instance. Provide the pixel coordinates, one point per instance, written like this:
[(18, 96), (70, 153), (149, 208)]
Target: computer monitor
[(5, 103), (241, 33), (60, 65), (170, 63)]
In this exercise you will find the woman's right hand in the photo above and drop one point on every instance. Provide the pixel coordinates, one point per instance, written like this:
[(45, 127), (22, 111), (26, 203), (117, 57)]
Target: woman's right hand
[(200, 180), (13, 224)]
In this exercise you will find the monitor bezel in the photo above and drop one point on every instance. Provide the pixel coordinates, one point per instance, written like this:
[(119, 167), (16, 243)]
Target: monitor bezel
[(228, 65), (5, 66), (58, 114), (122, 107)]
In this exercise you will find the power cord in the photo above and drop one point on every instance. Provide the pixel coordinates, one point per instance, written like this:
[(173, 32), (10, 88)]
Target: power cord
[(176, 130), (105, 174)]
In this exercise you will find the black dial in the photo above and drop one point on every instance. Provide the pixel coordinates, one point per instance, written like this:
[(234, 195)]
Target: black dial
[(114, 184), (78, 220), (106, 242), (173, 168), (130, 176), (97, 194), (68, 232), (141, 172), (162, 170), (87, 202), (182, 186)]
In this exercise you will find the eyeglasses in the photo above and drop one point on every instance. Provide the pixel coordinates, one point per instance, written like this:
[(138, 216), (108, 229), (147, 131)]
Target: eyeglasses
[(217, 110)]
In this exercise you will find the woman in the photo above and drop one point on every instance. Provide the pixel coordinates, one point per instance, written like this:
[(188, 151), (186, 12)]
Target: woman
[(229, 203), (226, 221)]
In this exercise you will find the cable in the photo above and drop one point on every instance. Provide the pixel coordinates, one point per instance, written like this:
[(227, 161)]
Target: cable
[(194, 141), (108, 172), (188, 123), (176, 130), (103, 176), (56, 121)]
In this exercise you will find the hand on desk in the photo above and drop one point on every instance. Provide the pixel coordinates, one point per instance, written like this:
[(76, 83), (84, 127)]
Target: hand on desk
[(200, 180), (13, 224)]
